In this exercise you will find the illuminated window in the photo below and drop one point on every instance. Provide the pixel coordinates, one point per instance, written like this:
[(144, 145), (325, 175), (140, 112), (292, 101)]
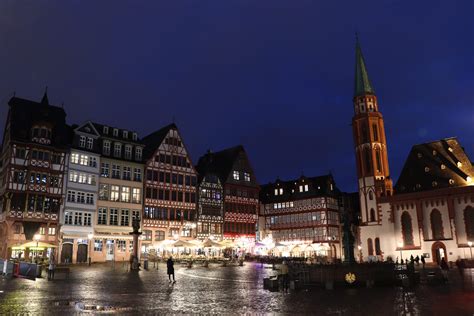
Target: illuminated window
[(247, 176), (236, 175)]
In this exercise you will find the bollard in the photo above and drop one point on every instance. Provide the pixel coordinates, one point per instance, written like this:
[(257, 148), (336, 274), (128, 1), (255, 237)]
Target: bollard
[(145, 264)]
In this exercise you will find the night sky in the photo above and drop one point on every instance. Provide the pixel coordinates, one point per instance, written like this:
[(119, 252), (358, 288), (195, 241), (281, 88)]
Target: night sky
[(275, 76)]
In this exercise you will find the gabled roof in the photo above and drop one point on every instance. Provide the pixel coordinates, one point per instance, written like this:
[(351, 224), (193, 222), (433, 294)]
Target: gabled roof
[(317, 186), (435, 165), (25, 113), (154, 140), (219, 163), (361, 83)]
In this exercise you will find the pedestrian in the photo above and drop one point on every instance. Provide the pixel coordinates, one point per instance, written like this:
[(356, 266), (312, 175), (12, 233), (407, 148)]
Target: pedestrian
[(412, 259), (417, 260), (284, 276), (423, 261), (444, 268), (51, 268), (170, 268), (460, 265)]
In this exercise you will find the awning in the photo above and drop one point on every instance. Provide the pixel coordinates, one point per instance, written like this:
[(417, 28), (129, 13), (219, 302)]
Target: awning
[(34, 244), (183, 244), (211, 244)]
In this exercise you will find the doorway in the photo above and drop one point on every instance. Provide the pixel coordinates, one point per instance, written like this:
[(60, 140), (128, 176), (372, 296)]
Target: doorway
[(81, 253), (438, 251), (110, 250), (66, 253)]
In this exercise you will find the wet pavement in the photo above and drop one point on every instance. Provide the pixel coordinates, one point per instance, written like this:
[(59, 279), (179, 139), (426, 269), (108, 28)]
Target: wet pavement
[(218, 290)]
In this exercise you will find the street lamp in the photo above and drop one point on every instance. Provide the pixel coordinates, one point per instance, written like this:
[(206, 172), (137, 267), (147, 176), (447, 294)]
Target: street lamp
[(400, 246), (469, 243), (89, 236), (37, 238)]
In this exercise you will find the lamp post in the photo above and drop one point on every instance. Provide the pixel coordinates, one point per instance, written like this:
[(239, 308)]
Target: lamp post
[(400, 246), (360, 253), (89, 236), (469, 243), (36, 238)]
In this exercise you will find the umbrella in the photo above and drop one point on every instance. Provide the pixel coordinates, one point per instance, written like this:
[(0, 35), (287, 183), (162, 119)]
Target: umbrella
[(183, 244), (211, 244), (39, 244)]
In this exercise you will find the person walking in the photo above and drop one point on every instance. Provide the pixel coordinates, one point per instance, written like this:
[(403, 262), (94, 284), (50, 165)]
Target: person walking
[(51, 268), (444, 268), (170, 268), (284, 276), (417, 260), (423, 261)]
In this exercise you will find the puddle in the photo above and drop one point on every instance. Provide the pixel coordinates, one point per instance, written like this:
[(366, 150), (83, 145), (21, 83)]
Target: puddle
[(88, 308)]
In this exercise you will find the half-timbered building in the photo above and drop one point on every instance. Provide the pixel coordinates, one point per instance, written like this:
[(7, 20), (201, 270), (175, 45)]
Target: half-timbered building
[(120, 194), (210, 210), (170, 188), (33, 160), (303, 216), (80, 206), (241, 189)]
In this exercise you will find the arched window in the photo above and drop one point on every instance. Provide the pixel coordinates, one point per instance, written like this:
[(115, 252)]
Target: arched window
[(378, 251), (372, 215), (371, 195), (407, 229), (376, 132), (368, 161), (469, 221), (370, 247), (436, 224), (379, 162), (365, 136)]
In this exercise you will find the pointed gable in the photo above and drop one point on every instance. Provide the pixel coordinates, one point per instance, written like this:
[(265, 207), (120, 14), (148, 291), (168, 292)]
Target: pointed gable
[(154, 140), (87, 128), (225, 162), (436, 165)]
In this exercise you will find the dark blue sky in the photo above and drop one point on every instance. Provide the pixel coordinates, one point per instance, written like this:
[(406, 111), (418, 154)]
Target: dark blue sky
[(275, 76)]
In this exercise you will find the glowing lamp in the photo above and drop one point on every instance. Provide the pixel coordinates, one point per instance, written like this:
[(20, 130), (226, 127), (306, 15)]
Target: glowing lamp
[(37, 237), (400, 245), (469, 243), (90, 236)]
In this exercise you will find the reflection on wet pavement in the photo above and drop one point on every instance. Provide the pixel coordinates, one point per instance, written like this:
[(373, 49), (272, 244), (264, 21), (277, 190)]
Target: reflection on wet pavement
[(219, 290)]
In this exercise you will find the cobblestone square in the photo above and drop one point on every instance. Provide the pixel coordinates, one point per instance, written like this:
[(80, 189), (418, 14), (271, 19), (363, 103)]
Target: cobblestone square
[(102, 288)]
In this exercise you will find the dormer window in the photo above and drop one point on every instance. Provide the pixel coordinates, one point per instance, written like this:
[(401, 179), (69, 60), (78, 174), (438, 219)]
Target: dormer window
[(134, 137), (125, 134), (82, 141), (90, 143), (236, 175), (41, 134), (105, 130), (247, 176), (115, 132)]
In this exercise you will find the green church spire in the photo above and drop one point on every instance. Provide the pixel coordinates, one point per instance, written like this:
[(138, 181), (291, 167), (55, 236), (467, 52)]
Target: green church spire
[(362, 83)]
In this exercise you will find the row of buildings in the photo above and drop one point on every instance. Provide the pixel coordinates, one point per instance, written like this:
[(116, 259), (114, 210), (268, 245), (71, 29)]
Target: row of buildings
[(78, 187)]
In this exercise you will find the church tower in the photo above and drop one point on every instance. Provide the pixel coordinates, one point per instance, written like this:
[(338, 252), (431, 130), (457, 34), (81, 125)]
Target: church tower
[(370, 145)]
